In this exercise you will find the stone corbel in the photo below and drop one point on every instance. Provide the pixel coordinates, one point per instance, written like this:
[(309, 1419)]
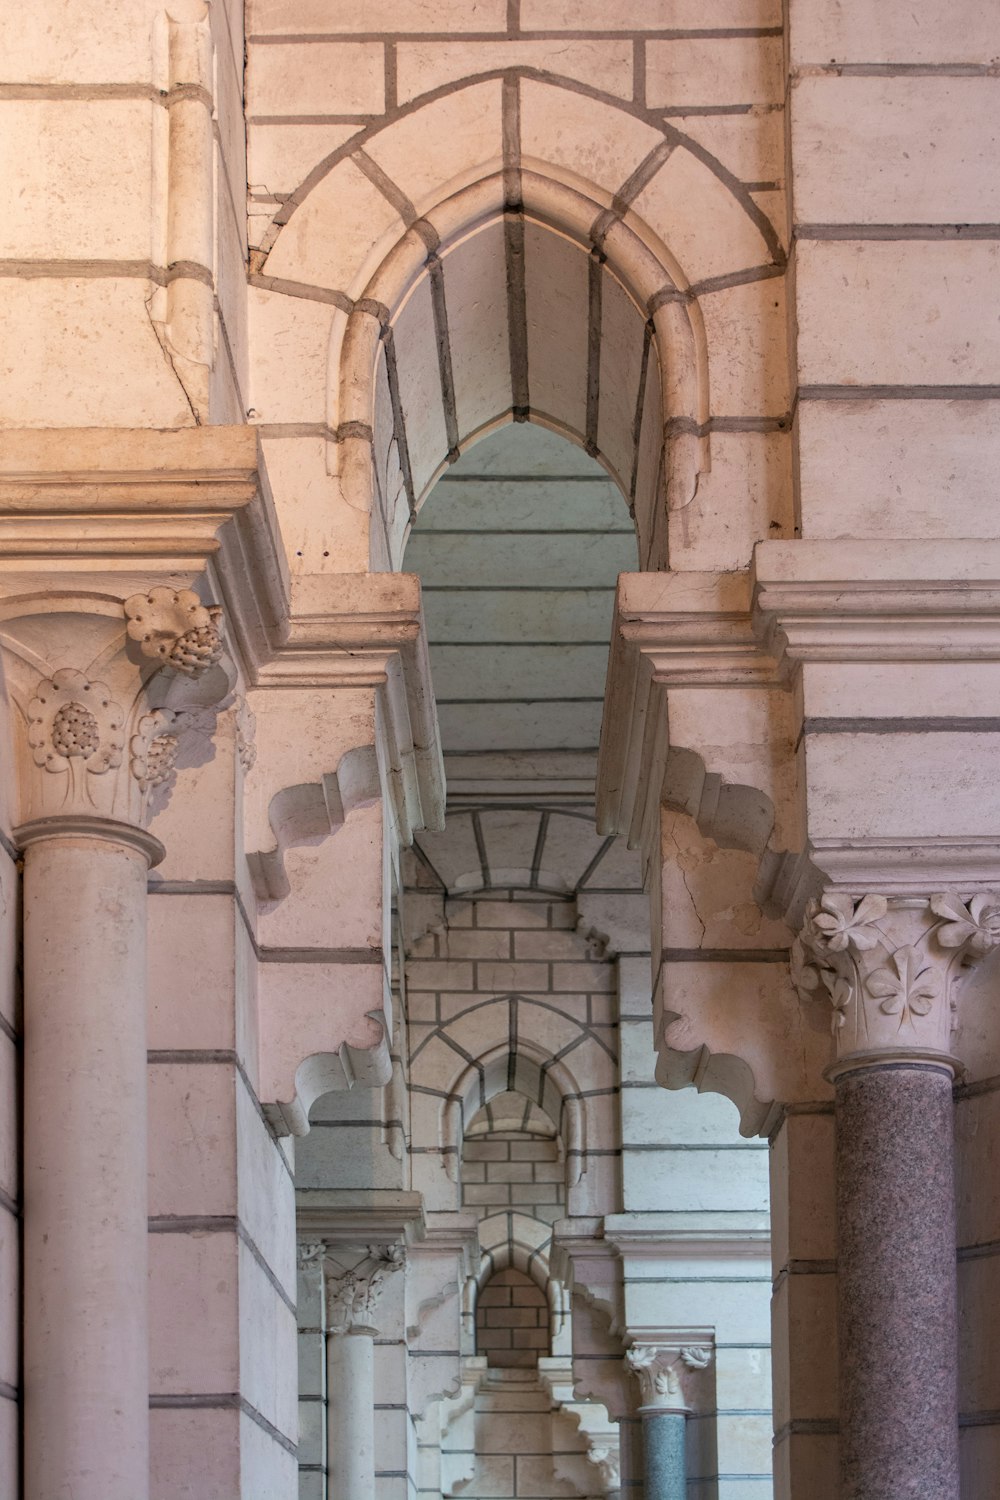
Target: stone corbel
[(666, 1367), (440, 1268), (890, 970)]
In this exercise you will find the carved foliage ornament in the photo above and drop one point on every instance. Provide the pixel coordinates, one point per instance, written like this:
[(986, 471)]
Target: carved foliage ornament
[(662, 1370), (174, 629), (889, 967), (74, 724), (352, 1296)]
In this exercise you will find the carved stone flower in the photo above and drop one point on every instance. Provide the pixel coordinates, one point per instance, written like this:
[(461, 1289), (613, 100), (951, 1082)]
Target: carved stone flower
[(838, 924), (72, 720), (906, 989), (805, 975), (977, 924), (153, 749), (172, 626), (841, 993)]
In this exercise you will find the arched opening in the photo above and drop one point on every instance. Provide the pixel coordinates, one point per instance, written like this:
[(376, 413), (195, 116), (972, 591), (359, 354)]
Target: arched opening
[(512, 1322)]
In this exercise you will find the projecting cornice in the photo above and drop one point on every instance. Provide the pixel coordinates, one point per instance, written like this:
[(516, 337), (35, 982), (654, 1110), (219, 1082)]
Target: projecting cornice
[(801, 601), (101, 514), (877, 601)]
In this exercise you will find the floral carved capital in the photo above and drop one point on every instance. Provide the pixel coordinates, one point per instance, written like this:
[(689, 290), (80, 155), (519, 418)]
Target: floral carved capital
[(353, 1295), (94, 732), (664, 1370), (891, 968)]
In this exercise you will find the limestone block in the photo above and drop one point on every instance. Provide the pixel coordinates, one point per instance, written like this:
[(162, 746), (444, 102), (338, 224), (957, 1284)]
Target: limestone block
[(743, 1443), (8, 1118), (10, 1301), (807, 1463), (192, 1153), (191, 972), (104, 42), (748, 738), (802, 1190), (905, 790), (695, 215), (556, 287), (101, 329), (291, 340), (896, 32), (751, 146), (280, 157), (420, 385), (895, 150), (702, 70), (191, 1449), (266, 16), (979, 1378), (741, 1377), (747, 349), (195, 821), (912, 468), (712, 533), (897, 313), (322, 1025), (588, 142), (194, 1313), (622, 334), (705, 1180), (78, 179), (315, 78), (979, 1456), (977, 1143), (268, 1347), (423, 66), (804, 1348), (640, 15), (268, 1468), (681, 1117), (780, 1054), (880, 690), (737, 1308), (707, 895), (320, 530), (265, 1194), (338, 890), (339, 235), (475, 280), (447, 143)]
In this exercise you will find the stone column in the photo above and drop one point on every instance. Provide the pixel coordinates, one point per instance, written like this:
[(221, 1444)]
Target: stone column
[(662, 1369), (353, 1293), (86, 1336), (91, 750), (892, 970)]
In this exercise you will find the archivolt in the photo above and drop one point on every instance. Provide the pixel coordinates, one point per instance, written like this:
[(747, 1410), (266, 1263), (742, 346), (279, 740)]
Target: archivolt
[(538, 281)]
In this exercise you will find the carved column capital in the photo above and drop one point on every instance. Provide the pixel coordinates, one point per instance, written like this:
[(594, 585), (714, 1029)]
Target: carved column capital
[(101, 691), (891, 970), (664, 1370), (353, 1293)]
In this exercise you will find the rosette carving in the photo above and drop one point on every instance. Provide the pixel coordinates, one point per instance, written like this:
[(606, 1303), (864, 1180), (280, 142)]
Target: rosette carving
[(174, 629), (73, 723), (890, 967)]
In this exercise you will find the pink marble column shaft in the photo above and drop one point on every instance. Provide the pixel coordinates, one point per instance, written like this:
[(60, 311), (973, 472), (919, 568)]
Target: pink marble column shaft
[(896, 1266)]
